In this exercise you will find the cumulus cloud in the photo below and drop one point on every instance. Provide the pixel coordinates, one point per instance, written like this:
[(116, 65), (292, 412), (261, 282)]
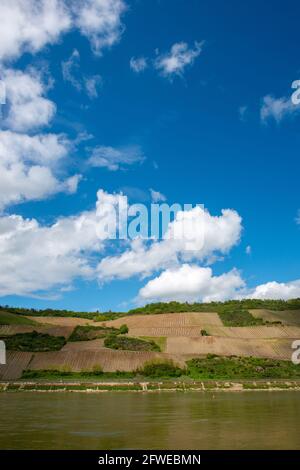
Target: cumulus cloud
[(30, 25), (35, 257), (99, 21), (115, 158), (277, 108), (180, 56), (276, 290), (28, 167), (192, 235), (138, 64), (26, 106), (191, 283)]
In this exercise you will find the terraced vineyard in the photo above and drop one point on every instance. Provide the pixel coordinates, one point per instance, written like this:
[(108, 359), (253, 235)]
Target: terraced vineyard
[(286, 317), (180, 333), (108, 360), (258, 332), (269, 348), (16, 363), (64, 321)]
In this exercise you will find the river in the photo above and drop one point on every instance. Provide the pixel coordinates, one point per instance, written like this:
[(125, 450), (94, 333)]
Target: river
[(160, 420)]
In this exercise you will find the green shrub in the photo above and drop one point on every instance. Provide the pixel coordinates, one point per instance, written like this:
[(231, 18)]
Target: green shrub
[(123, 329), (89, 332), (156, 369), (34, 342), (238, 317), (55, 374), (204, 333), (130, 344), (234, 367)]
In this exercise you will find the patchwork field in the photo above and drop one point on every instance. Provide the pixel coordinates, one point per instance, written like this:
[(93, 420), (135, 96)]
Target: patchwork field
[(63, 321), (272, 348), (167, 324), (287, 317), (93, 345), (181, 336), (16, 362), (108, 360), (255, 332)]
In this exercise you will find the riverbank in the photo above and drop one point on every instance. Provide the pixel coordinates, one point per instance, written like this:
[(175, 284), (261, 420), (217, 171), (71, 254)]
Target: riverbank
[(150, 386)]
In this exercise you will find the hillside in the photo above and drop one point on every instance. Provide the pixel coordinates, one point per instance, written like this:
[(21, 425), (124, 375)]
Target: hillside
[(8, 318), (125, 343)]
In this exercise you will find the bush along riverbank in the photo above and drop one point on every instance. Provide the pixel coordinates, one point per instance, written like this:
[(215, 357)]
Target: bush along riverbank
[(211, 369)]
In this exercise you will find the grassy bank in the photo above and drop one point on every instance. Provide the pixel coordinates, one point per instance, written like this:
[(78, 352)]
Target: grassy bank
[(8, 318), (209, 368), (150, 386)]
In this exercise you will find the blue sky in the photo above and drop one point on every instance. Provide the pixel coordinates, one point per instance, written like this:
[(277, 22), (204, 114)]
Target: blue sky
[(208, 119)]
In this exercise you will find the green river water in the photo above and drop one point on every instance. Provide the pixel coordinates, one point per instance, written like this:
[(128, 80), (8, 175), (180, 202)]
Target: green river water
[(165, 420)]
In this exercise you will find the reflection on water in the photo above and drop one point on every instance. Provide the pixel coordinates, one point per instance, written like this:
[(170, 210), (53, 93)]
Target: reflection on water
[(191, 420)]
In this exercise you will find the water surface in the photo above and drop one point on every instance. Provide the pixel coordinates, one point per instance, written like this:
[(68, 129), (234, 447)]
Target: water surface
[(191, 420)]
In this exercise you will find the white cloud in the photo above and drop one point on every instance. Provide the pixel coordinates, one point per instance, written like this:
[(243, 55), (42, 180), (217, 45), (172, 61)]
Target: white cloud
[(157, 196), (69, 69), (35, 257), (27, 108), (193, 235), (115, 158), (99, 21), (276, 290), (138, 64), (191, 283), (277, 108), (71, 73), (248, 250), (298, 217), (28, 167), (179, 57), (28, 25), (92, 85)]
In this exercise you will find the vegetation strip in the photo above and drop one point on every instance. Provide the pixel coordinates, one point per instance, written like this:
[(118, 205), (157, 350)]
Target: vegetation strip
[(138, 386), (34, 342), (211, 367), (164, 307)]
